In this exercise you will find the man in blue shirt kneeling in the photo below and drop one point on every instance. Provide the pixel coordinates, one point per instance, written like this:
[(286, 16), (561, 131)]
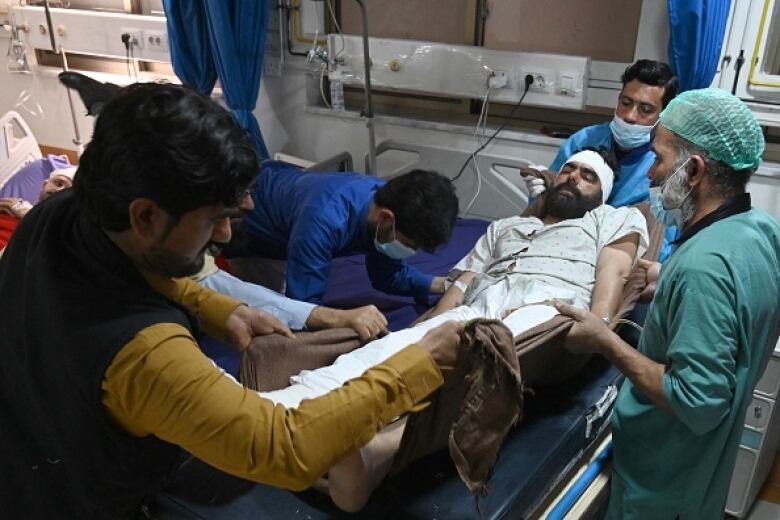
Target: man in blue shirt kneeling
[(309, 218)]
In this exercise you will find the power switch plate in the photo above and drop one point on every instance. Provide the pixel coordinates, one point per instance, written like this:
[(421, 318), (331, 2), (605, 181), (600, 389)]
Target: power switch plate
[(567, 86)]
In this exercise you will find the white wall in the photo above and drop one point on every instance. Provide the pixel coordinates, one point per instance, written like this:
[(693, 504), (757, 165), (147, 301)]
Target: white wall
[(281, 110), (54, 127), (288, 127)]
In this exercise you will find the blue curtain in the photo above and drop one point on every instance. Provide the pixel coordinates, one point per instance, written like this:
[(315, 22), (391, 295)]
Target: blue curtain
[(190, 48), (225, 39), (237, 29), (696, 32)]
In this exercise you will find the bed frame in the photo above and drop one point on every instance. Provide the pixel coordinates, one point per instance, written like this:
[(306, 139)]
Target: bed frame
[(18, 146), (560, 425)]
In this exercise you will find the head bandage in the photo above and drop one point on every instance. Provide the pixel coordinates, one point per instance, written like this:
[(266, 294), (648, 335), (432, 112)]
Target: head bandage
[(68, 172), (602, 169)]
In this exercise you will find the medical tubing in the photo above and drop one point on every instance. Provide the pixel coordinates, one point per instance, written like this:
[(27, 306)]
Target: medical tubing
[(481, 121), (338, 29), (628, 322), (528, 81), (580, 485), (322, 91)]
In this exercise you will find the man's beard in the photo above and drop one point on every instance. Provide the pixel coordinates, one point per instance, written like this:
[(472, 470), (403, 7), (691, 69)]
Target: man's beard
[(677, 194), (167, 263), (566, 201)]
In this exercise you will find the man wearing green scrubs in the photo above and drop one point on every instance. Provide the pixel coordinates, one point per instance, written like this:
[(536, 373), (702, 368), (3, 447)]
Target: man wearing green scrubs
[(712, 324)]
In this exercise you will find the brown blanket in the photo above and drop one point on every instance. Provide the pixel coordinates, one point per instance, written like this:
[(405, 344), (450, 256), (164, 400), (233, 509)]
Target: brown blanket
[(472, 413), (270, 361)]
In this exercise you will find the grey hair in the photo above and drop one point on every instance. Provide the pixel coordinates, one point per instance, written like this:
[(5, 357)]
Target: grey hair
[(676, 193), (727, 181)]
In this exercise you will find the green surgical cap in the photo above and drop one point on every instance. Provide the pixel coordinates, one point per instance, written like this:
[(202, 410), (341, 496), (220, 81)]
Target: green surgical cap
[(718, 123)]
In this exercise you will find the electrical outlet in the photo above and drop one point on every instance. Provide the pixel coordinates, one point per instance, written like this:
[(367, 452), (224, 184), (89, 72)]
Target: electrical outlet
[(156, 41), (136, 37), (499, 79), (542, 81)]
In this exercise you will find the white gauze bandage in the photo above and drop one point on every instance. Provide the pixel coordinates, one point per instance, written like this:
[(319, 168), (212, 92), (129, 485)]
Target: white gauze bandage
[(68, 172), (595, 161)]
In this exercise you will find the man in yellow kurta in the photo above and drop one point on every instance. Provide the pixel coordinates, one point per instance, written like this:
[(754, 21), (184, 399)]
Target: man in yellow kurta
[(101, 378)]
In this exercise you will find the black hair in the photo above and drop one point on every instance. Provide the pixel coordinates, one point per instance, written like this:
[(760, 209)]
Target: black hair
[(424, 204), (654, 73), (166, 143), (609, 156)]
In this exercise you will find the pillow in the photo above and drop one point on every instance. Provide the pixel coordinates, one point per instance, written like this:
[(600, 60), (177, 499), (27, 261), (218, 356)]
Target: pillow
[(26, 183)]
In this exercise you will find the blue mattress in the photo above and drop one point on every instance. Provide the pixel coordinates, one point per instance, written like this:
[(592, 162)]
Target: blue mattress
[(349, 287), (535, 457)]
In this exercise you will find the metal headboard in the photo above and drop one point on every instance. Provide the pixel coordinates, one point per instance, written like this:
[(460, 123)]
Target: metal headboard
[(503, 191)]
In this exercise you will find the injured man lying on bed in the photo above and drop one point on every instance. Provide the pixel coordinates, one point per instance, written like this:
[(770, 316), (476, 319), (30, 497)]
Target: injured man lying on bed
[(580, 251)]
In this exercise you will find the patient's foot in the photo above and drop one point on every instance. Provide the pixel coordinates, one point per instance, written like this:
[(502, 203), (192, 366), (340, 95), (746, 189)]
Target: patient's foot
[(352, 480), (321, 485)]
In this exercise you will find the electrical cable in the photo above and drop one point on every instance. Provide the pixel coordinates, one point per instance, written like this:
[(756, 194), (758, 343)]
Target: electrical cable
[(322, 78), (528, 81), (630, 323), (481, 121), (313, 48), (338, 28), (485, 111), (132, 60)]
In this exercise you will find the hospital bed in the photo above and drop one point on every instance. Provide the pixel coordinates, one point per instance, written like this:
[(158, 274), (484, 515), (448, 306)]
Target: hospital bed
[(560, 426), (18, 146)]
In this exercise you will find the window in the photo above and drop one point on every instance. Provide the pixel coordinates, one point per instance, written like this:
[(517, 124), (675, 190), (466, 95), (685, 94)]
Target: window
[(765, 70)]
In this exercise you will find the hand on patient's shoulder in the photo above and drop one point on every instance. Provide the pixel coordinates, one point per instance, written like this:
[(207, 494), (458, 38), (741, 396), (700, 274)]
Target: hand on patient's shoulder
[(536, 185), (245, 323), (443, 343)]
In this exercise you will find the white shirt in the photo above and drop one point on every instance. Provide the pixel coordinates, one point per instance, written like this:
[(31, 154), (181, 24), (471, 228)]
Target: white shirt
[(520, 260)]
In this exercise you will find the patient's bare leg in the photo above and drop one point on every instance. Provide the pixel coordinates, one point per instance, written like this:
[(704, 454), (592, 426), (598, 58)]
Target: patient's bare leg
[(352, 480)]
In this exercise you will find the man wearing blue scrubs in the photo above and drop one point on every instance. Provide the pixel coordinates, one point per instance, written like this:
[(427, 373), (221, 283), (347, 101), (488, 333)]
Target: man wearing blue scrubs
[(310, 218), (648, 86), (711, 326)]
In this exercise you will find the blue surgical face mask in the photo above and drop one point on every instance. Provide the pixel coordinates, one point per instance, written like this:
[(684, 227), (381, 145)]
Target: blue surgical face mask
[(629, 136), (393, 249), (667, 216)]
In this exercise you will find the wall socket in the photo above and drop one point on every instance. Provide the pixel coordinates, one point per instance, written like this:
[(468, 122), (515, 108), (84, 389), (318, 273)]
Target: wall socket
[(136, 36), (543, 81), (498, 79), (156, 41)]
